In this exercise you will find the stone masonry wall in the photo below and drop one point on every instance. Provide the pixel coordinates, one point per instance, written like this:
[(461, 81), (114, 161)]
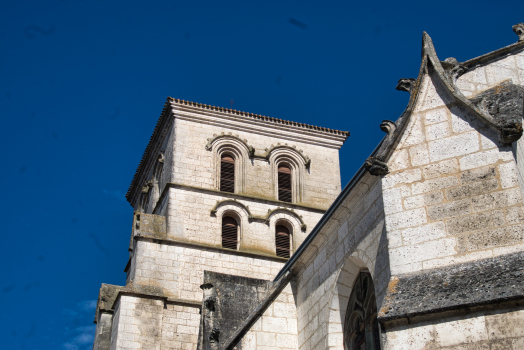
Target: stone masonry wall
[(179, 270), (496, 329), (452, 195), (277, 328), (194, 165), (356, 240), (190, 219)]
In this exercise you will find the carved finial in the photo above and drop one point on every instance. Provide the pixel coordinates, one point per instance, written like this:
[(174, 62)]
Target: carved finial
[(519, 30), (388, 126), (405, 84)]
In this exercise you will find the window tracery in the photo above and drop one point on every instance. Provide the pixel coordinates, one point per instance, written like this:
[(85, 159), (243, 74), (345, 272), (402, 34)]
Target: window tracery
[(361, 329)]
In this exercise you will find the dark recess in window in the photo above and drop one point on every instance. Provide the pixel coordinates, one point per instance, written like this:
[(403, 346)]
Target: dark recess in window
[(284, 183), (227, 174), (229, 232), (283, 241)]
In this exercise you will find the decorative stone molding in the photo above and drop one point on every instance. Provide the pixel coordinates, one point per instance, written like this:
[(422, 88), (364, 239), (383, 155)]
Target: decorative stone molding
[(376, 167), (234, 202), (211, 141), (519, 30), (300, 153), (238, 148), (270, 213)]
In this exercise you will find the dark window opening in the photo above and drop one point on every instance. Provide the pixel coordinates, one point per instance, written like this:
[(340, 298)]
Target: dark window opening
[(229, 233), (361, 330), (283, 241), (284, 183), (227, 174)]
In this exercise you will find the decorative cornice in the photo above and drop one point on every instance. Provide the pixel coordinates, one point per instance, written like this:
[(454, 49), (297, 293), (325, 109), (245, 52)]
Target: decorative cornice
[(210, 141), (259, 117)]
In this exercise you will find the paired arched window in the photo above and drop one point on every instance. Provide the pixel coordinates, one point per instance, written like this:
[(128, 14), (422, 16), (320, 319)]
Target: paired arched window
[(229, 233), (284, 183), (361, 329), (283, 241), (227, 173)]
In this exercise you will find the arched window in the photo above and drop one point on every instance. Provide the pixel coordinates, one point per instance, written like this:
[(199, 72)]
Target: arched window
[(284, 183), (229, 232), (227, 174), (283, 241), (361, 330)]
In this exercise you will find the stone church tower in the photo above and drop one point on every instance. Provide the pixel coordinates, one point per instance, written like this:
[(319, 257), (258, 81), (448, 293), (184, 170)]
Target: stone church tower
[(243, 239), (217, 190)]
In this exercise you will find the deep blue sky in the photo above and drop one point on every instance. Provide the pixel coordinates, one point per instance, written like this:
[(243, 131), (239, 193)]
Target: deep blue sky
[(82, 84)]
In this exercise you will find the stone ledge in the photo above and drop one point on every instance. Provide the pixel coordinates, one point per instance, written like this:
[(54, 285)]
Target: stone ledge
[(188, 244), (234, 196), (484, 282)]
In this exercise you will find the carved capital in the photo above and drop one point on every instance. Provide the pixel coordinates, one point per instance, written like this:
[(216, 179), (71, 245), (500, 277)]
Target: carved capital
[(376, 167), (519, 30), (405, 84), (388, 127)]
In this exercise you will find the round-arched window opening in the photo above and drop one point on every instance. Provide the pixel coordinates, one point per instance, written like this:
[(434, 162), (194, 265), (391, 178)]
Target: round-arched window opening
[(229, 233), (361, 330), (284, 183), (227, 173), (283, 241)]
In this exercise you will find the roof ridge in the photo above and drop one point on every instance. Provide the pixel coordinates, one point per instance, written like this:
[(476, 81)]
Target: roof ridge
[(258, 116)]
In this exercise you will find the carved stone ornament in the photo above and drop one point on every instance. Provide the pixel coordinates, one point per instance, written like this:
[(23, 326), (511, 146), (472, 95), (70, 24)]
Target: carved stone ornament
[(519, 30), (505, 105), (376, 167), (453, 69), (147, 187), (405, 84), (160, 157), (388, 126)]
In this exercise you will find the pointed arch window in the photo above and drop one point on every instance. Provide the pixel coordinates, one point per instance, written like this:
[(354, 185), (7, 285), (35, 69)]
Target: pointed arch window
[(283, 241), (284, 183), (227, 173), (229, 233), (361, 330)]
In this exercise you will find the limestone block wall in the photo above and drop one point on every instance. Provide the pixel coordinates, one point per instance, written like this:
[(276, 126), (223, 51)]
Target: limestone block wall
[(485, 76), (145, 323), (277, 328), (355, 241), (495, 329), (179, 270), (190, 219), (196, 166), (452, 195)]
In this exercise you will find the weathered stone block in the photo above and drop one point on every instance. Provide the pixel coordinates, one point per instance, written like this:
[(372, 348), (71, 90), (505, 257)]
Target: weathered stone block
[(419, 155), (475, 222), (508, 175), (472, 189), (432, 185), (436, 116), (407, 218), (454, 146), (495, 200), (437, 131), (497, 237), (402, 177), (445, 167), (423, 233), (479, 174), (448, 210), (481, 159)]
